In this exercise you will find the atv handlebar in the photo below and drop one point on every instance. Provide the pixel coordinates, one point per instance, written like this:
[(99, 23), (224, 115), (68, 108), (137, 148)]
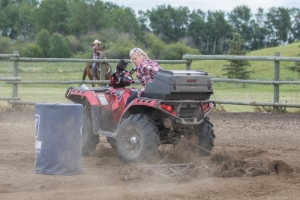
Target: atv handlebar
[(132, 71), (122, 78)]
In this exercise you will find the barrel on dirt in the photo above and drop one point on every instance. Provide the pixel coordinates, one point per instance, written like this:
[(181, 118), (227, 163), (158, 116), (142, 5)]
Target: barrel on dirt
[(58, 138)]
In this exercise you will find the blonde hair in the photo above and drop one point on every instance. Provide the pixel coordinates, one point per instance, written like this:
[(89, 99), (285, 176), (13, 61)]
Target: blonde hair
[(139, 52)]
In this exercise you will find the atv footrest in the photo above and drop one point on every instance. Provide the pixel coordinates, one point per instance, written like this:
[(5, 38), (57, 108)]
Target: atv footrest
[(107, 133)]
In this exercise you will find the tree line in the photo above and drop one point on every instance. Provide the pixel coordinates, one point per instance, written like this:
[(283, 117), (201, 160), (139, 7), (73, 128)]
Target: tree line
[(66, 28)]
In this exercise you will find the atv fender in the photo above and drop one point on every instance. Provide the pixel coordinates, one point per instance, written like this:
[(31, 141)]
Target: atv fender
[(96, 112), (141, 102), (79, 95)]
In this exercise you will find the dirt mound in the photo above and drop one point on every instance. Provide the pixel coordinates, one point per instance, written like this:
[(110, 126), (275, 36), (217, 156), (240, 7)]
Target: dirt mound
[(280, 167)]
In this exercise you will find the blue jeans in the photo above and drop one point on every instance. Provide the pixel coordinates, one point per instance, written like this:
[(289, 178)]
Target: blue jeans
[(133, 95)]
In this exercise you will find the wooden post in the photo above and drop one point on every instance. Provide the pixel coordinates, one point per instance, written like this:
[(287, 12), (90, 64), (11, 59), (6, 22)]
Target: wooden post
[(276, 78), (102, 69), (188, 64), (15, 74)]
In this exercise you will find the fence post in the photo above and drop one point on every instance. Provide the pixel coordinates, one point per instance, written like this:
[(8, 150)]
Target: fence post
[(15, 74), (188, 64), (102, 71), (102, 68), (276, 78)]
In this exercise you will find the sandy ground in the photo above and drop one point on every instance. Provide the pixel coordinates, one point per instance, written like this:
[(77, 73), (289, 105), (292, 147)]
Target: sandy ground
[(256, 156)]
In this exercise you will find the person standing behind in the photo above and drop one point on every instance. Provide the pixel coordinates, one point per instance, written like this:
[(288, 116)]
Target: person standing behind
[(145, 71), (96, 55)]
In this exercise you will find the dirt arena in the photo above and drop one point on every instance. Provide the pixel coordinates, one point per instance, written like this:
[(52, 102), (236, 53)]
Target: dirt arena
[(256, 156)]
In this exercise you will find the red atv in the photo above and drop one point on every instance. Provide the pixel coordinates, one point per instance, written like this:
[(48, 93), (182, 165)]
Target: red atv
[(175, 106)]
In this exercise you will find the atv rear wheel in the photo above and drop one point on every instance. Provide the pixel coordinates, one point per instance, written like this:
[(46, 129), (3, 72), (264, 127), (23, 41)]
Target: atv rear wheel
[(137, 139), (206, 137), (89, 140)]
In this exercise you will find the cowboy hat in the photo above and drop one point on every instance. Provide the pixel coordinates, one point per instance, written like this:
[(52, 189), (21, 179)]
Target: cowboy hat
[(97, 41)]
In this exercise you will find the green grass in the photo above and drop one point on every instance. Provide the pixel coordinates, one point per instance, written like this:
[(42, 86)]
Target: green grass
[(263, 70), (290, 50)]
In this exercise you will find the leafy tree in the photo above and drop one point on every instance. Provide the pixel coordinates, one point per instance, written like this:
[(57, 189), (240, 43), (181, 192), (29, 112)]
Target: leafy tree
[(98, 17), (176, 51), (211, 33), (237, 69), (155, 45), (168, 23), (143, 21), (240, 18), (52, 15), (43, 40), (8, 46), (159, 50), (109, 6), (8, 19), (179, 22), (4, 44), (124, 20), (279, 24), (217, 30), (295, 24), (32, 50), (25, 18), (87, 16), (197, 28), (120, 48), (15, 18), (223, 31), (77, 18), (74, 44), (58, 46), (259, 30)]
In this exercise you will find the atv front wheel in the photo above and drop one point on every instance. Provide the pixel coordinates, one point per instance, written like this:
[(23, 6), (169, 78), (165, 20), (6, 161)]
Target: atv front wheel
[(137, 139), (89, 140), (206, 137)]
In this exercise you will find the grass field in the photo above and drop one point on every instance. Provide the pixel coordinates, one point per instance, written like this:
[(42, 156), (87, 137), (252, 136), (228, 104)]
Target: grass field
[(290, 50), (66, 71)]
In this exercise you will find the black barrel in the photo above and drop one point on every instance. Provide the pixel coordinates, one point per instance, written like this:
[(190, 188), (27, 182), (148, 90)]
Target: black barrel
[(58, 138)]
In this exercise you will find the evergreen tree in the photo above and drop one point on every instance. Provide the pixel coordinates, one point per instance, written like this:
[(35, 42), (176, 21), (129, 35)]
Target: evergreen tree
[(296, 67), (237, 69)]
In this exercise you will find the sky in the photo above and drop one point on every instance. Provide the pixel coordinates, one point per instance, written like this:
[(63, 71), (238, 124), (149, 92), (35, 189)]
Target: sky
[(206, 5)]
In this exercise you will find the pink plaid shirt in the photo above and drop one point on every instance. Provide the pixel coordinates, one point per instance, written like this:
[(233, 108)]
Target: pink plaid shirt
[(95, 56), (145, 73)]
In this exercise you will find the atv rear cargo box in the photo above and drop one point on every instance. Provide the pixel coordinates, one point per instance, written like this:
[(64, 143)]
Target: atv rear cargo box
[(180, 85)]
